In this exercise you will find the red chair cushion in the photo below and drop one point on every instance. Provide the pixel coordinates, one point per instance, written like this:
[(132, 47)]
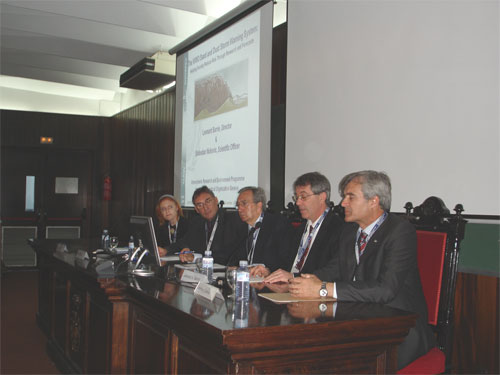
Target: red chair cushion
[(430, 253), (430, 363)]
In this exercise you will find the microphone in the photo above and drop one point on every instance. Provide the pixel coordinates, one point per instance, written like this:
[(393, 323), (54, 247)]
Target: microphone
[(144, 253)]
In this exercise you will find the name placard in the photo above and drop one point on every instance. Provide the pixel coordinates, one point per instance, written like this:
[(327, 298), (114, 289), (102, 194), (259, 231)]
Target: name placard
[(207, 291), (193, 277), (82, 255)]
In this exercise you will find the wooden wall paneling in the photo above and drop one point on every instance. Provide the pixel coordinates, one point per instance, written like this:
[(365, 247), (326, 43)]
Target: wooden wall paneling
[(476, 345), (142, 159)]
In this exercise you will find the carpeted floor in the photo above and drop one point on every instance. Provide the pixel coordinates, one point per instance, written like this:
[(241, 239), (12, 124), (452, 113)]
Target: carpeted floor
[(22, 342)]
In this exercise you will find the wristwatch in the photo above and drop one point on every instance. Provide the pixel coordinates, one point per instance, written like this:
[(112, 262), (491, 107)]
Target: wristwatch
[(322, 307), (323, 292)]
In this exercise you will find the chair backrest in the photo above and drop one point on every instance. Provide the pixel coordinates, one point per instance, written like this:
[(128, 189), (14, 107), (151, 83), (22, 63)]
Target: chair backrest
[(431, 248), (438, 239)]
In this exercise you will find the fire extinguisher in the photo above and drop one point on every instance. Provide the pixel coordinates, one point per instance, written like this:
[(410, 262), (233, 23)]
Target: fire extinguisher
[(107, 188)]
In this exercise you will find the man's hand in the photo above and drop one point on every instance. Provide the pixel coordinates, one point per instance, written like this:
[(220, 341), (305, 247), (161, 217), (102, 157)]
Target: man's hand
[(258, 286), (259, 271), (279, 276), (186, 255), (162, 251), (306, 286), (304, 310)]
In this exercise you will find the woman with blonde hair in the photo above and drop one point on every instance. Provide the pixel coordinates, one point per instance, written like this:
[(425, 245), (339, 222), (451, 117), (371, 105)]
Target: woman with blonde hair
[(173, 225)]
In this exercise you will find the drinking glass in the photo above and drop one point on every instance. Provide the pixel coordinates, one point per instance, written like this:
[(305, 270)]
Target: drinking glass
[(231, 279), (113, 243), (199, 264)]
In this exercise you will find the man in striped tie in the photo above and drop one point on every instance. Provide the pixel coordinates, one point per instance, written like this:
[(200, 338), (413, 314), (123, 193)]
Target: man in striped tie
[(313, 243)]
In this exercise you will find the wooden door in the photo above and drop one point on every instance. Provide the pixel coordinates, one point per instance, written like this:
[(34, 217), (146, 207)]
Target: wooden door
[(66, 192), (56, 207)]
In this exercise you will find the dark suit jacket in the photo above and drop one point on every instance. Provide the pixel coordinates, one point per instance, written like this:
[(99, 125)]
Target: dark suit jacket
[(387, 273), (272, 232), (162, 237), (229, 233), (323, 248)]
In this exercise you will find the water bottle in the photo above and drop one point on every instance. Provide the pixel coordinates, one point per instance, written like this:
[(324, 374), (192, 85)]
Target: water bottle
[(106, 241), (241, 313), (131, 246), (208, 265), (242, 281), (105, 234)]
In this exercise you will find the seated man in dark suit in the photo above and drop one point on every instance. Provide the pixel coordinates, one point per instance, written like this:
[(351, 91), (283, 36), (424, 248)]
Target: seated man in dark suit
[(265, 230), (214, 229), (376, 260), (312, 244)]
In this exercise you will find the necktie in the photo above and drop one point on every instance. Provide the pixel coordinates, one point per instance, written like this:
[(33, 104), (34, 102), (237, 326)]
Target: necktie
[(362, 242), (250, 239), (300, 263)]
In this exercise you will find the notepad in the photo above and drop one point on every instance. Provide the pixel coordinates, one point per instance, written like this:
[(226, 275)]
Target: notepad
[(169, 258)]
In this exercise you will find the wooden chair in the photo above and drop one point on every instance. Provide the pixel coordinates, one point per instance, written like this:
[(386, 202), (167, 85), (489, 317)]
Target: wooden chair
[(438, 244)]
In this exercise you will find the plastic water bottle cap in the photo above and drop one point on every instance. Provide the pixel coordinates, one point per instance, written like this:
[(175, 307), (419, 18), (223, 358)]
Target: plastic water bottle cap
[(208, 253), (243, 263)]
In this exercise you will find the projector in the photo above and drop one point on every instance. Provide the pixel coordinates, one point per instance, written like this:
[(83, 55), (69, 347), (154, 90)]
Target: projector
[(149, 74)]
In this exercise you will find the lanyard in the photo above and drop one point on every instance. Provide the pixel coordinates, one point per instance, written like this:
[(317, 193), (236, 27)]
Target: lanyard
[(305, 244), (209, 241), (379, 222), (254, 240), (170, 238)]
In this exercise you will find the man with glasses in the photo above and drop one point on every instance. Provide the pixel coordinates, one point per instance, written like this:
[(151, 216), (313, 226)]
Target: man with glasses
[(312, 244), (376, 260), (266, 230), (214, 229)]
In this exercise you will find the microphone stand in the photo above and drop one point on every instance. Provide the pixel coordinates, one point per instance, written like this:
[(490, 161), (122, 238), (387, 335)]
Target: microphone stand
[(136, 270)]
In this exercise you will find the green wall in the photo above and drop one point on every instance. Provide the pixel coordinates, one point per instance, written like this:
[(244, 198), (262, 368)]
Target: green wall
[(480, 249)]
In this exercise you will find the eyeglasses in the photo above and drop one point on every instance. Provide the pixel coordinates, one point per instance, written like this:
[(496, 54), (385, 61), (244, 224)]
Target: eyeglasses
[(242, 204), (207, 202), (302, 197)]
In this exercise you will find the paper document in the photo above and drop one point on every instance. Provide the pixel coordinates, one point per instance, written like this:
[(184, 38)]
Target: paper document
[(287, 298), (256, 279), (169, 258)]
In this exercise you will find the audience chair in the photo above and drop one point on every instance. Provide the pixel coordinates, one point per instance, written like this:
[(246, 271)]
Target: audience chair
[(438, 244)]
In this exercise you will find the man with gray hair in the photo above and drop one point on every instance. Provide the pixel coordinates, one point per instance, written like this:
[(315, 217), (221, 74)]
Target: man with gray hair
[(313, 243), (265, 230), (376, 260)]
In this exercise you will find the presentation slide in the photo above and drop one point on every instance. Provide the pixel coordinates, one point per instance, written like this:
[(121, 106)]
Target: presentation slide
[(220, 112)]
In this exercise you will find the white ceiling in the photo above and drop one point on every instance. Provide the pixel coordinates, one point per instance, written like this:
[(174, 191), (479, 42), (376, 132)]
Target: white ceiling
[(67, 55)]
